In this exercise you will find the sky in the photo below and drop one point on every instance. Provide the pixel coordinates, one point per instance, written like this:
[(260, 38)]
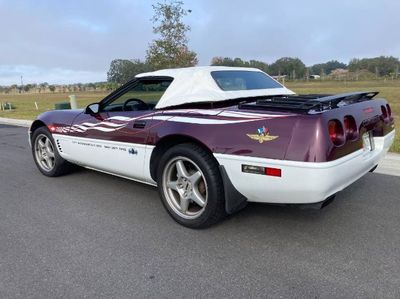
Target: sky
[(72, 41)]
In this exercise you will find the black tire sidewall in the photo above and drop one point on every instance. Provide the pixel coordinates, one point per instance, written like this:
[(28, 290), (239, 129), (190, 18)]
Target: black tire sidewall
[(215, 208), (59, 162)]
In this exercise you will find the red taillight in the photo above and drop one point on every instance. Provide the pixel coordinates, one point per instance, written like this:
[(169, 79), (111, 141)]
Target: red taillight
[(384, 112), (262, 170), (389, 110), (368, 110), (336, 133), (273, 171), (350, 127)]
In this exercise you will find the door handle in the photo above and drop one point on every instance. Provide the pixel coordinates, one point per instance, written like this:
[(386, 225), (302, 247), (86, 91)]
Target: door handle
[(139, 124)]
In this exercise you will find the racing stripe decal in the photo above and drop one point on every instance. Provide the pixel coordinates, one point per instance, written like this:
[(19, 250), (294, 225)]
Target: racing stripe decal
[(190, 116), (202, 121)]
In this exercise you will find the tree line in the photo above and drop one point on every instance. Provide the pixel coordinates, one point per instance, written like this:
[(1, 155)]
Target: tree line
[(122, 70)]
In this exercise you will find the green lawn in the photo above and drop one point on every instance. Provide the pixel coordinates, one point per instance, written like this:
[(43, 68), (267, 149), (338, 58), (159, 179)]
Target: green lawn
[(25, 103)]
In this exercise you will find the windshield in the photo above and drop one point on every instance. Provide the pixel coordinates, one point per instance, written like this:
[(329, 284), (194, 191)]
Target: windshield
[(243, 80), (142, 95)]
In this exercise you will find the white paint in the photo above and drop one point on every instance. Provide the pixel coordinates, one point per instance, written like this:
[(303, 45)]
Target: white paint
[(104, 126), (232, 117), (252, 115), (195, 85), (226, 113), (302, 182), (127, 119), (108, 156), (201, 121), (151, 183)]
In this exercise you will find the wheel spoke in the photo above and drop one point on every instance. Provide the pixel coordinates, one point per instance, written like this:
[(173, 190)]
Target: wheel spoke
[(194, 178), (49, 162), (41, 143), (184, 204), (49, 147), (181, 169), (172, 185), (197, 197), (50, 154)]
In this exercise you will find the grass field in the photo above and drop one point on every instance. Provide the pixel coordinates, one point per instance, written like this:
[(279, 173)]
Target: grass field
[(25, 103)]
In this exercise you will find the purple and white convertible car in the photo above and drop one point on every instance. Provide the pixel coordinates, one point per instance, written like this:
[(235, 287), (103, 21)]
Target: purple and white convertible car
[(214, 138)]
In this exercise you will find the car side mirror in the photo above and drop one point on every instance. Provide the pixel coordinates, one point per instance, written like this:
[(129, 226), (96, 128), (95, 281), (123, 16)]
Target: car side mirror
[(92, 109)]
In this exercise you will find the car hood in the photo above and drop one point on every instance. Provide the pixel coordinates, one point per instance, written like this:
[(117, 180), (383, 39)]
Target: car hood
[(60, 117)]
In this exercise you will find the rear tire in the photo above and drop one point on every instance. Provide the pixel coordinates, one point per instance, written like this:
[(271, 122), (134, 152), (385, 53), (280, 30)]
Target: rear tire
[(46, 156), (190, 186)]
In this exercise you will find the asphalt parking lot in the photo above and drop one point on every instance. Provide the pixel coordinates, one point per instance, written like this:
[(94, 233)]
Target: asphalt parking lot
[(97, 236)]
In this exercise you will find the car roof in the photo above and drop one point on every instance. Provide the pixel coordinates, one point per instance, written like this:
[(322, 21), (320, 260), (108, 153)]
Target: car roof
[(196, 85)]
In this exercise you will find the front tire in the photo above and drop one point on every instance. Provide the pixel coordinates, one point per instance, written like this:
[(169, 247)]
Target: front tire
[(190, 186), (45, 154)]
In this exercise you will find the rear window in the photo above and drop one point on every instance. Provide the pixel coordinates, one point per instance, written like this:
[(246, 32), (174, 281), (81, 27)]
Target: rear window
[(243, 80)]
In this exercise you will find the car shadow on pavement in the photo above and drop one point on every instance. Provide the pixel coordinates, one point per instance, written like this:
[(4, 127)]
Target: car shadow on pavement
[(370, 198), (351, 205)]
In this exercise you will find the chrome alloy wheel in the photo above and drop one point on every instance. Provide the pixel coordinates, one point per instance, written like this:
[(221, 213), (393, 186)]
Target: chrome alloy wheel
[(185, 187), (44, 152)]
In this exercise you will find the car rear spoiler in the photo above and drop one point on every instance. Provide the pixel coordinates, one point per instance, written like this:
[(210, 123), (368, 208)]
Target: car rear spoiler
[(310, 102)]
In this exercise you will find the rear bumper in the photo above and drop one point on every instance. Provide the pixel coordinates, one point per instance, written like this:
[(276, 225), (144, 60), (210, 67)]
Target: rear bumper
[(302, 182)]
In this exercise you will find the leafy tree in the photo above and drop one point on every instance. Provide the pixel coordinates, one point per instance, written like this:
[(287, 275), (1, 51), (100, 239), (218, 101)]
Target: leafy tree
[(222, 61), (259, 65), (123, 70), (111, 86), (171, 49), (52, 88), (27, 87), (238, 62), (380, 66), (292, 67), (327, 68), (91, 86)]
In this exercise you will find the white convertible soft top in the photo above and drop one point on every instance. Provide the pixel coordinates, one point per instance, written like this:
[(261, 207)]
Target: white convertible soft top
[(195, 84)]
